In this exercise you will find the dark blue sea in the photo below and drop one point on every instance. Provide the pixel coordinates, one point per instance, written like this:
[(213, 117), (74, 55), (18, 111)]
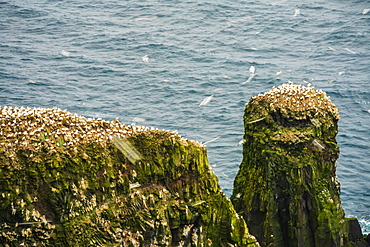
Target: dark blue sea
[(153, 62)]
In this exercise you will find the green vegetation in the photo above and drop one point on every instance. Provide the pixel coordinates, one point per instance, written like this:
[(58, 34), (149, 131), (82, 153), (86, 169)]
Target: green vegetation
[(92, 193), (287, 188), (70, 181)]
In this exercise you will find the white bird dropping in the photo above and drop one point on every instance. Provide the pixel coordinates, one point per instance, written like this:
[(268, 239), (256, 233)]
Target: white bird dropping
[(206, 100)]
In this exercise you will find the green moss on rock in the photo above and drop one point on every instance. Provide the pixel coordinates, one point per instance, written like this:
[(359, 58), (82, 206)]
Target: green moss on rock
[(287, 188), (70, 181)]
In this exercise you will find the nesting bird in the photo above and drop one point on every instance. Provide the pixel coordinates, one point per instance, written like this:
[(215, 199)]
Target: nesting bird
[(34, 129), (296, 98)]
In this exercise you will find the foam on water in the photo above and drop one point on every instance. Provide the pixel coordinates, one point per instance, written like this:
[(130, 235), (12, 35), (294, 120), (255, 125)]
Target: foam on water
[(87, 56)]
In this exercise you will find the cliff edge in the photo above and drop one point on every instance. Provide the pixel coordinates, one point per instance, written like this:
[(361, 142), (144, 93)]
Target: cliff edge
[(70, 181)]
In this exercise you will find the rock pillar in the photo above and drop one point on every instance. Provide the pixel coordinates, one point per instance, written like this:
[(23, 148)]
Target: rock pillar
[(287, 188)]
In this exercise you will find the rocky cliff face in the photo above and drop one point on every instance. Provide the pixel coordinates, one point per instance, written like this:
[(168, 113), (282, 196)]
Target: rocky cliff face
[(70, 181), (287, 188)]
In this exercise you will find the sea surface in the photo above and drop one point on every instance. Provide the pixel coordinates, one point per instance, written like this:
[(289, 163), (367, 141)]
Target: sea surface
[(152, 62)]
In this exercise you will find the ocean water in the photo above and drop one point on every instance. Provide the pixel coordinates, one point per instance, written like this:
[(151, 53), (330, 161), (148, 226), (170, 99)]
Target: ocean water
[(153, 62)]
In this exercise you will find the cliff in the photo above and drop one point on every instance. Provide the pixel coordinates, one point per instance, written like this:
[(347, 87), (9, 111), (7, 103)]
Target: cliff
[(287, 188), (70, 181)]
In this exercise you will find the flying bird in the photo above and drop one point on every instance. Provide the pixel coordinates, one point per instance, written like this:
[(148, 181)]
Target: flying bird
[(350, 51), (145, 58), (206, 100), (297, 12), (127, 149), (252, 71), (214, 139)]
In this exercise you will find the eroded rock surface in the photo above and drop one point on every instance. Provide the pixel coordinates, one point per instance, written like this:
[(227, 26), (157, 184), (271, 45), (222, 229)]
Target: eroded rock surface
[(287, 188), (70, 181)]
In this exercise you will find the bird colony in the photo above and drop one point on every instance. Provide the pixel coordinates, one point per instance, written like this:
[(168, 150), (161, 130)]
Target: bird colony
[(36, 128), (298, 98)]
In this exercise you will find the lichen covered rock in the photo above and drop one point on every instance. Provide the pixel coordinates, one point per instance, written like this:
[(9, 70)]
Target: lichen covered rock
[(287, 188), (70, 181)]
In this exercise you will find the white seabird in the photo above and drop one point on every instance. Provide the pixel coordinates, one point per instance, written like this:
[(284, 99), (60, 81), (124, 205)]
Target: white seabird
[(145, 58), (252, 71), (206, 100), (65, 53), (297, 12), (30, 81), (214, 139), (350, 51)]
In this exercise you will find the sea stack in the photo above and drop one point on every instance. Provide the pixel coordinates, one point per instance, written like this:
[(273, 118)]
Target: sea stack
[(287, 188)]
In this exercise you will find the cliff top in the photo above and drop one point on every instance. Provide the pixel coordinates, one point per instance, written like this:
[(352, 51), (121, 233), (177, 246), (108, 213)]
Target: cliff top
[(36, 128), (298, 98)]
